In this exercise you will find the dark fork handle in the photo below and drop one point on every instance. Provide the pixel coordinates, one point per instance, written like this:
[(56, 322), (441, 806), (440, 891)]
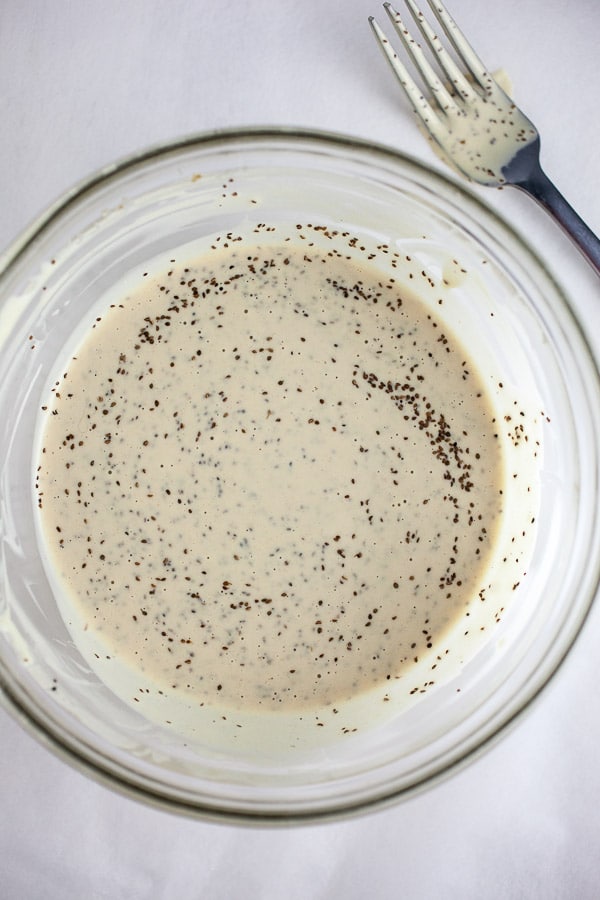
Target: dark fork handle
[(525, 172)]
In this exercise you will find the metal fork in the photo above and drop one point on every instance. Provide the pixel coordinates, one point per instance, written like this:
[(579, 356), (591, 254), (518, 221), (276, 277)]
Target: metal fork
[(474, 123)]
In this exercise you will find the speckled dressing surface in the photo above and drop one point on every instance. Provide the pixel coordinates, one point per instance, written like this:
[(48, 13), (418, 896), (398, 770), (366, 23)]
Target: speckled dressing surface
[(270, 477)]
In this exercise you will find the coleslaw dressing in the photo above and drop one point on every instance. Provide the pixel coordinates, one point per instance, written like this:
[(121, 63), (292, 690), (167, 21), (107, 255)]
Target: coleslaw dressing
[(271, 482)]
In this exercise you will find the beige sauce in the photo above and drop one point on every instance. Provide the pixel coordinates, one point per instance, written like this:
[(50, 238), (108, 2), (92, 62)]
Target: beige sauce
[(482, 139), (269, 478)]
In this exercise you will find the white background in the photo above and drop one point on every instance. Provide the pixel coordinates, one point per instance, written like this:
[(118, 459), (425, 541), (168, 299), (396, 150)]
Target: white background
[(82, 83)]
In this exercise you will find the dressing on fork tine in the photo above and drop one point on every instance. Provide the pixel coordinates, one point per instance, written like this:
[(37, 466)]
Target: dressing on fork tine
[(478, 128), (455, 78)]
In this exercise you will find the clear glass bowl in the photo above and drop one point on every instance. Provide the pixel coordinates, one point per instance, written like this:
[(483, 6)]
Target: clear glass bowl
[(129, 213)]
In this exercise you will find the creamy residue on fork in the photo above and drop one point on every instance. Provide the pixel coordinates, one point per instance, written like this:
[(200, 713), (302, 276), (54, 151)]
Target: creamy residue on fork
[(481, 139), (269, 477)]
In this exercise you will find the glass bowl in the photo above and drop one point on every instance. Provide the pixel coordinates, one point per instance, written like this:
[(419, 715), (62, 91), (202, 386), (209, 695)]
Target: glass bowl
[(515, 323)]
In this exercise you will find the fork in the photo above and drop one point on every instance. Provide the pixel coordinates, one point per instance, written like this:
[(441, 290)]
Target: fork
[(475, 124)]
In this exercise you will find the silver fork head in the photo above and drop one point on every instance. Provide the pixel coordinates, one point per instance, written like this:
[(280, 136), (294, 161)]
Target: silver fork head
[(473, 122)]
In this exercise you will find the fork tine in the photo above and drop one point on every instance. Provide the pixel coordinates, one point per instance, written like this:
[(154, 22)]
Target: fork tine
[(420, 105), (461, 45), (438, 90), (445, 61)]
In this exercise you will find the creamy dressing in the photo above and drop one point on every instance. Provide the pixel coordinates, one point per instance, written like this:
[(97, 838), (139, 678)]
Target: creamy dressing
[(470, 119), (482, 138), (271, 480)]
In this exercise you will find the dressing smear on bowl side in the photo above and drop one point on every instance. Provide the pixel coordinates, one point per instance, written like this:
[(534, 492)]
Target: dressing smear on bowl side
[(270, 480)]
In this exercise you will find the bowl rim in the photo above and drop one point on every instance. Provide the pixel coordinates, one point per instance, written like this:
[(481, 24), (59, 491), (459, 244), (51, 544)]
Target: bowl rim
[(139, 158)]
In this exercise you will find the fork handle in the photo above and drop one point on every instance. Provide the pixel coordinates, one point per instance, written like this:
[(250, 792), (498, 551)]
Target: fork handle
[(536, 183)]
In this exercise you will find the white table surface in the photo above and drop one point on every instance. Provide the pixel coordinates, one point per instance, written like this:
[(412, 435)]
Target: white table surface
[(84, 82)]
